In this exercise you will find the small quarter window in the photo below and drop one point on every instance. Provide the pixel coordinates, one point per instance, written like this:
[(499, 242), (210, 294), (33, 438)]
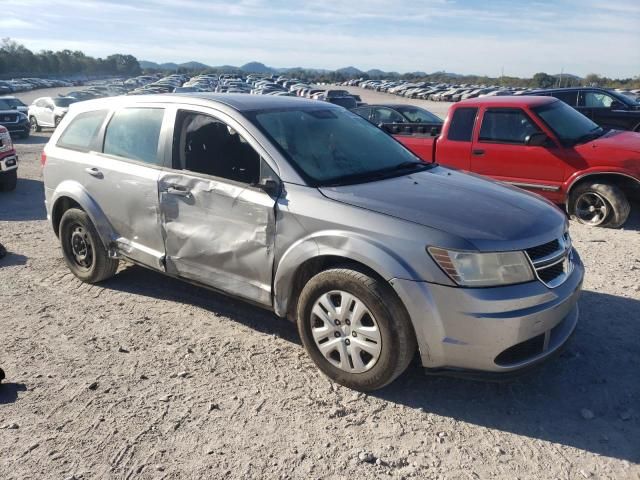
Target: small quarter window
[(81, 133), (133, 133), (461, 128)]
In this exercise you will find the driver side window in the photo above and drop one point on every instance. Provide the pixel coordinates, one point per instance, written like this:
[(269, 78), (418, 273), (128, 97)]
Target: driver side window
[(506, 125), (203, 144), (385, 115)]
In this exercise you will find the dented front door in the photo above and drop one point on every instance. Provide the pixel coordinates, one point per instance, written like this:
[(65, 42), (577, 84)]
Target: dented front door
[(219, 233)]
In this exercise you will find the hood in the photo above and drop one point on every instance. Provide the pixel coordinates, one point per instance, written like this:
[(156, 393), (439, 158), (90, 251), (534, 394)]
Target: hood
[(618, 140), (491, 215)]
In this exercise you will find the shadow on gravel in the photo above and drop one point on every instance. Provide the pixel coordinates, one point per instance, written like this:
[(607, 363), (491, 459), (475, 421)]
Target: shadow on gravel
[(634, 218), (25, 203), (142, 281), (12, 259), (32, 140), (9, 392), (598, 371)]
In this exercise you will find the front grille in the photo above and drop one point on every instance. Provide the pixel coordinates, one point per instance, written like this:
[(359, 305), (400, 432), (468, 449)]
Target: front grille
[(8, 118), (552, 261), (541, 251)]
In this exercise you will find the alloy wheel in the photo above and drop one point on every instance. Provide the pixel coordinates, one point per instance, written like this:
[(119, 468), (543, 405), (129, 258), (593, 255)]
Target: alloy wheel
[(591, 208)]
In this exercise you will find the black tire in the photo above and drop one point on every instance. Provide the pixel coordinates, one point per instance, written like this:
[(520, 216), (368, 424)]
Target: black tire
[(35, 127), (398, 342), (3, 251), (56, 122), (616, 203), (9, 180), (75, 226), (26, 134)]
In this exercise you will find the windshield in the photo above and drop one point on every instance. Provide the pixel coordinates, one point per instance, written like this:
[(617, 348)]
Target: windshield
[(569, 125), (418, 115), (332, 146), (63, 102), (10, 103)]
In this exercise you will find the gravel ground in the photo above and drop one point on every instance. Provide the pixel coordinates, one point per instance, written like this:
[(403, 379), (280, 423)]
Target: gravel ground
[(147, 377)]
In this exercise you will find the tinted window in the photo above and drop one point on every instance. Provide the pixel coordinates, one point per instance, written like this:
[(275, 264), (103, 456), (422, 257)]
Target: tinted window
[(81, 132), (63, 101), (133, 133), (203, 144), (461, 128), (363, 112), (568, 97), (506, 125), (597, 100)]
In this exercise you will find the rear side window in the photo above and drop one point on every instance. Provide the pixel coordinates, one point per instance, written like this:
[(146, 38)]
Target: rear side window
[(134, 133), (506, 125), (81, 132), (461, 128), (569, 97)]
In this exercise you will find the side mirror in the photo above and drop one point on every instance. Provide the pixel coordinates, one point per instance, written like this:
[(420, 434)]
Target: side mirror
[(616, 105), (270, 186), (537, 139)]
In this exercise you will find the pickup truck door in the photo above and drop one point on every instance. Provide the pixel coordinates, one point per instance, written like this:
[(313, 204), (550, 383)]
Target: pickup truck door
[(219, 226), (499, 151)]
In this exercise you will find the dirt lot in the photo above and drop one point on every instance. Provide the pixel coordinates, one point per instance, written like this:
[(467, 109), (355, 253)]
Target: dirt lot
[(147, 377)]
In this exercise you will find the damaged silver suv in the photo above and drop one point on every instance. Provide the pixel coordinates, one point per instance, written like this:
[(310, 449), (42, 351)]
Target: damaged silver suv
[(309, 210)]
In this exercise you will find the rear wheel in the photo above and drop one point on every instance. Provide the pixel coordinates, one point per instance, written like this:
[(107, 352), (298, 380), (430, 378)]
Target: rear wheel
[(82, 248), (355, 329), (9, 180), (599, 205)]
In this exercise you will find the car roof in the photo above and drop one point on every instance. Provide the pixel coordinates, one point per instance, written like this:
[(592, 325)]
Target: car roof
[(242, 102), (514, 101), (392, 105)]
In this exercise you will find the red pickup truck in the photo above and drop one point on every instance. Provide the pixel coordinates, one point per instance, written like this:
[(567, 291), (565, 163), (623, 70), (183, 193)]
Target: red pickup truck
[(543, 145)]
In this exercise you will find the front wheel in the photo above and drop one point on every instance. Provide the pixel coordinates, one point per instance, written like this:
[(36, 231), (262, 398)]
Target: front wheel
[(82, 248), (599, 205), (355, 329), (35, 127)]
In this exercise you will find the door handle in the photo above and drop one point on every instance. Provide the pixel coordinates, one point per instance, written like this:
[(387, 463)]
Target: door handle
[(94, 172), (177, 190), (477, 153)]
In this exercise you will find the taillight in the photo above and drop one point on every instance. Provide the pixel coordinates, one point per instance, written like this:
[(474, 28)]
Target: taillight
[(43, 158)]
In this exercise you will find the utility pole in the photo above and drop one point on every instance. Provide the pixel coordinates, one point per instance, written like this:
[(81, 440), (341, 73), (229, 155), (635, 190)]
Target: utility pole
[(561, 73)]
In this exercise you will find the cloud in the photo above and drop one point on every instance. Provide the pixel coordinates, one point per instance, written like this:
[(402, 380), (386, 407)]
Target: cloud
[(465, 36)]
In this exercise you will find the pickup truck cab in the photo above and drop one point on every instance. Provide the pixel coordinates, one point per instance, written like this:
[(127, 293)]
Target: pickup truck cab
[(543, 145)]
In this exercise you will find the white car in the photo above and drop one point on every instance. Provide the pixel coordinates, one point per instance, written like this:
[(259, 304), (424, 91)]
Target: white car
[(48, 111)]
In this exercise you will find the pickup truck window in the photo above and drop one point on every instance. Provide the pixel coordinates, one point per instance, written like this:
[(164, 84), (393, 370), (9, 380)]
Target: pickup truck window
[(570, 97), (461, 128), (597, 100), (204, 144), (133, 133), (506, 125), (81, 132), (385, 115)]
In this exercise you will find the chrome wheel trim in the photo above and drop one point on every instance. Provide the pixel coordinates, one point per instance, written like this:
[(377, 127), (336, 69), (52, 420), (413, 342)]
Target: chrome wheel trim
[(591, 208), (81, 247), (345, 332)]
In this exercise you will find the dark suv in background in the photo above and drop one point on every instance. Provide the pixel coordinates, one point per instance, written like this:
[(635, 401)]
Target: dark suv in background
[(607, 108)]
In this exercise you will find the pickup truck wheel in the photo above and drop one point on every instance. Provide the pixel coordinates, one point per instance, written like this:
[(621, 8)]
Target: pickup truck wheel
[(35, 127), (82, 248), (9, 180), (355, 329), (599, 205)]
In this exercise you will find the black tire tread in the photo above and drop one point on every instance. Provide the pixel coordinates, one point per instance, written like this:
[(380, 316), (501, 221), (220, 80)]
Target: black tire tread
[(618, 201)]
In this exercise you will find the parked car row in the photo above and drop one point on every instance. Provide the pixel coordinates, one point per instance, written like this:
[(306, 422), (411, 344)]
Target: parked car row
[(25, 84)]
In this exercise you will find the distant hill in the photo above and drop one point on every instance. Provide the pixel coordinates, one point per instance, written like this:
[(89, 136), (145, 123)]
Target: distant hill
[(350, 71), (256, 67)]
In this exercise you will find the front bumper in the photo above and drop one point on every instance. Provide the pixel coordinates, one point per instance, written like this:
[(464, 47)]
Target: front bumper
[(22, 127), (500, 329)]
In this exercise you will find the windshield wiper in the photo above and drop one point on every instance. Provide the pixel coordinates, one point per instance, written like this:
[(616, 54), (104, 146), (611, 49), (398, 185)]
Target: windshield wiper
[(376, 174), (592, 135)]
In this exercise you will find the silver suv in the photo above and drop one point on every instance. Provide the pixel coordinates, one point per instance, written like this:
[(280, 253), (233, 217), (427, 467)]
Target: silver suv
[(48, 111), (312, 212)]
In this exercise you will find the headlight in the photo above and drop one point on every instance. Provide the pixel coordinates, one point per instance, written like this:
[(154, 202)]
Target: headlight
[(469, 269)]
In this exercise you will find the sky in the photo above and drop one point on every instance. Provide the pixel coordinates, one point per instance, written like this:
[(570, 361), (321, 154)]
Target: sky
[(463, 36)]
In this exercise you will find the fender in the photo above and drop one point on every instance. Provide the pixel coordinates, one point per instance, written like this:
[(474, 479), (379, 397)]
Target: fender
[(350, 246), (75, 191), (577, 176)]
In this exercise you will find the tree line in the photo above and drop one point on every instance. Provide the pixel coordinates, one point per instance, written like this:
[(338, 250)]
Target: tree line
[(16, 60)]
